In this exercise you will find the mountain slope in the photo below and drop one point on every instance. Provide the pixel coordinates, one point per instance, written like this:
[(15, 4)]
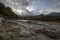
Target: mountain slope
[(7, 12)]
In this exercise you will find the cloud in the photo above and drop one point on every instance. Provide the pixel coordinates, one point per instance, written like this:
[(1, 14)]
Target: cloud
[(49, 10), (19, 2), (19, 5), (56, 2), (30, 7)]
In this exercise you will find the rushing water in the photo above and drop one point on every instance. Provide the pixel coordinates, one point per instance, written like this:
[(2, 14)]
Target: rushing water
[(37, 24), (27, 29)]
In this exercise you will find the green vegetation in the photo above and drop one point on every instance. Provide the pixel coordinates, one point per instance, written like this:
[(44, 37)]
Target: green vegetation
[(47, 18), (44, 18)]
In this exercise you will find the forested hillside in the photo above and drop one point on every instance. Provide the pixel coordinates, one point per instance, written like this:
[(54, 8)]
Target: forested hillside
[(7, 12)]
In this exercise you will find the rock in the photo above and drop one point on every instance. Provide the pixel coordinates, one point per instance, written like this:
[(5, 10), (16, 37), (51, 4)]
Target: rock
[(1, 29), (1, 37), (50, 33), (12, 30)]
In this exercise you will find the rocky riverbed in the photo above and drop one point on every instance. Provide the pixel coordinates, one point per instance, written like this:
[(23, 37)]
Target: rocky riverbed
[(28, 30)]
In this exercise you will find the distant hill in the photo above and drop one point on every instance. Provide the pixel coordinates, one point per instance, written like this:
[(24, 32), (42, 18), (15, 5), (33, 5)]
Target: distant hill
[(54, 14)]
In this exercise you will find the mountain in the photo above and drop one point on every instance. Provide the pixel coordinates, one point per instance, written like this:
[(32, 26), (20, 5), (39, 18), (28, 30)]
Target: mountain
[(7, 12), (54, 14)]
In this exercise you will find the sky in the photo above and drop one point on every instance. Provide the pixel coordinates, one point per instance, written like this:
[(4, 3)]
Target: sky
[(33, 7)]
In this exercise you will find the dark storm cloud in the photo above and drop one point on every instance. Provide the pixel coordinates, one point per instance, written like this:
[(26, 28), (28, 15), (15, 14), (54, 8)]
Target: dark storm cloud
[(21, 2), (16, 3), (27, 6), (4, 1), (57, 2)]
